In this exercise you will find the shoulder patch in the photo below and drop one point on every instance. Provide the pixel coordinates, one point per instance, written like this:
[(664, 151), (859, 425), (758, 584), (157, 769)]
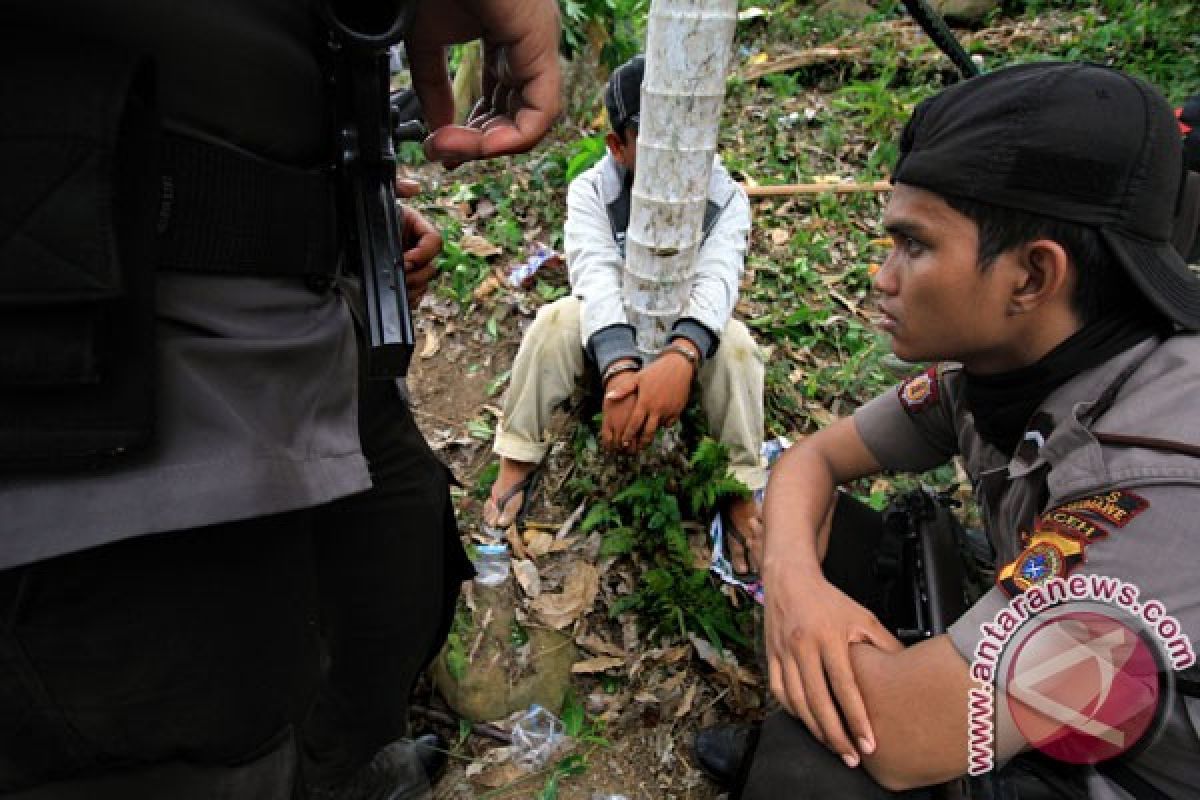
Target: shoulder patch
[(1052, 552), (920, 391), (1117, 507)]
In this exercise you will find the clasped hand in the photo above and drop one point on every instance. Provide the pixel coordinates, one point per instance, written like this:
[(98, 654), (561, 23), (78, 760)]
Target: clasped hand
[(637, 404)]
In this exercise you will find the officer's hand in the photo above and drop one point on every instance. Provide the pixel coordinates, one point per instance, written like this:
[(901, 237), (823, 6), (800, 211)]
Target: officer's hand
[(810, 625), (663, 391), (521, 76), (620, 397), (422, 243)]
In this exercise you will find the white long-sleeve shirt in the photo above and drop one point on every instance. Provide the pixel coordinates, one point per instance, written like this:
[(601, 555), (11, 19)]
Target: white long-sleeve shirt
[(595, 261)]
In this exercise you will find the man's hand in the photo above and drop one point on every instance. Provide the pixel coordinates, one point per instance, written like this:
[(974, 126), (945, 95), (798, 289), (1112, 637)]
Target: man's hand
[(521, 76), (810, 625), (421, 242), (620, 397), (662, 395)]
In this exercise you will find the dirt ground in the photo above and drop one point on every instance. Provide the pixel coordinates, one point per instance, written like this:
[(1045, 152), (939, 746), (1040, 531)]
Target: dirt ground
[(652, 718)]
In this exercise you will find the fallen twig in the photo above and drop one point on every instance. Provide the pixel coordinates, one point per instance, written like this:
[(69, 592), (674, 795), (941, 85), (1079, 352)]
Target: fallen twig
[(789, 189), (478, 728), (566, 527)]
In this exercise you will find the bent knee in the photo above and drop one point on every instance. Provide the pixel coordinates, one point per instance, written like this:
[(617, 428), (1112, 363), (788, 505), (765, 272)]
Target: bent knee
[(556, 324), (737, 345)]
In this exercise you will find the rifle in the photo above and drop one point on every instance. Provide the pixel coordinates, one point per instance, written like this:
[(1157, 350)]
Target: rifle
[(365, 168), (924, 546)]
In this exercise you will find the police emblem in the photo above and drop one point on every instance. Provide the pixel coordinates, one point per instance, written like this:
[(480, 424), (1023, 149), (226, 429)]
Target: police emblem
[(1053, 551), (1038, 564), (920, 391)]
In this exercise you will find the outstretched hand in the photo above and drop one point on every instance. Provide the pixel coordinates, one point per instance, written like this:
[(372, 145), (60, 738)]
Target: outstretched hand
[(521, 75)]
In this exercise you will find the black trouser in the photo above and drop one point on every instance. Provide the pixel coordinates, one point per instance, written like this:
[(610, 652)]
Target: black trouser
[(788, 760), (389, 565), (196, 646)]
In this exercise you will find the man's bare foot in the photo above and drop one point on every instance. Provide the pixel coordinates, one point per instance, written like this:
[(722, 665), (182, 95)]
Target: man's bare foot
[(511, 474), (746, 517)]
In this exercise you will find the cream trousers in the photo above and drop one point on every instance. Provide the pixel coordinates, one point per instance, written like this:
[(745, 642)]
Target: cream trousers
[(550, 364)]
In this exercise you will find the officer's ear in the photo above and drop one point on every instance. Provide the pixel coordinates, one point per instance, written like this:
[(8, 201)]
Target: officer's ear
[(1043, 276)]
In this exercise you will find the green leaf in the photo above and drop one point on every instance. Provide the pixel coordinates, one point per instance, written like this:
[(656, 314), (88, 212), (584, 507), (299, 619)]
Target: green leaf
[(617, 542), (497, 383), (480, 429), (599, 514), (572, 713)]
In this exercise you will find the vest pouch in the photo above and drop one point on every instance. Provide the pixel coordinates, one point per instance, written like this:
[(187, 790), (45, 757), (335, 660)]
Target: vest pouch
[(79, 142)]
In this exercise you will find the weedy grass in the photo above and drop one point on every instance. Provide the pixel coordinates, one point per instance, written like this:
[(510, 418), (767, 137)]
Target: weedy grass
[(807, 294)]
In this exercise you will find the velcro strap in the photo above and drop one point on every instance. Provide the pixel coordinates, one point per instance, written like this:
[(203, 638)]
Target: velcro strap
[(226, 211)]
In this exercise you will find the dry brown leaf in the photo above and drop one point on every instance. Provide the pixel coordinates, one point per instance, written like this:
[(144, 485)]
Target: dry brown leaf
[(672, 683), (489, 284), (538, 543), (561, 609), (432, 344), (674, 654), (515, 542), (598, 664), (478, 246), (595, 644), (527, 576), (780, 237), (646, 698), (499, 775), (685, 705)]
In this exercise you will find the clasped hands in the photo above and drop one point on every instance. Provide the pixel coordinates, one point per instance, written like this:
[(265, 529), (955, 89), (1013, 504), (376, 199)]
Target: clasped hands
[(638, 403), (810, 627)]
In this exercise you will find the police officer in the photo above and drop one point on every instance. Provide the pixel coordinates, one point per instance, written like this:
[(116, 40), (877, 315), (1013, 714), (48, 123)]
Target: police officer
[(1032, 261), (158, 591)]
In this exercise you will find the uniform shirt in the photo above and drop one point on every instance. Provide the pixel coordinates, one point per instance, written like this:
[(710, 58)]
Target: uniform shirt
[(595, 261), (256, 379), (1124, 512)]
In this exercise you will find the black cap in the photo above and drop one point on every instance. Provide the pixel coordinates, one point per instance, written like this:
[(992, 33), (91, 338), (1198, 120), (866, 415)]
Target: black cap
[(623, 94), (1075, 142)]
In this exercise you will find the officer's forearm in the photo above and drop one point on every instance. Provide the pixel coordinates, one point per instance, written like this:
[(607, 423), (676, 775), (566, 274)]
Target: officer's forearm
[(917, 743)]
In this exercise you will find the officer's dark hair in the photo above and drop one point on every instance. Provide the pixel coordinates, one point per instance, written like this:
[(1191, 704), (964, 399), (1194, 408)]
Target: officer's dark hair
[(1101, 285)]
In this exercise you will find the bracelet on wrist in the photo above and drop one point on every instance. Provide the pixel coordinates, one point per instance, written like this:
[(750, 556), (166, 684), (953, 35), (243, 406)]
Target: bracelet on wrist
[(692, 357), (616, 368)]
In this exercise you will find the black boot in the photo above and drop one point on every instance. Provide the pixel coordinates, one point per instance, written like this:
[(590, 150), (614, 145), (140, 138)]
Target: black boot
[(723, 751), (404, 770)]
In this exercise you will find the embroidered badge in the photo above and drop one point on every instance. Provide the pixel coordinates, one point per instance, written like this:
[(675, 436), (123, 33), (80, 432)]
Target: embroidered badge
[(1117, 507), (920, 391), (1053, 552), (1074, 524)]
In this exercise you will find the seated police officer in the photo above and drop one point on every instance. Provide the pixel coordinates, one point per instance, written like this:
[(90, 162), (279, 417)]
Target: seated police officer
[(1032, 263), (178, 379)]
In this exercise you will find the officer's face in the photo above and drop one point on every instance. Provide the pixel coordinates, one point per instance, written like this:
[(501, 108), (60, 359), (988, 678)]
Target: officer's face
[(937, 304)]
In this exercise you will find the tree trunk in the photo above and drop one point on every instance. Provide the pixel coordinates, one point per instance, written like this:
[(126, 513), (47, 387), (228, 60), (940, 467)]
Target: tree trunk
[(689, 44)]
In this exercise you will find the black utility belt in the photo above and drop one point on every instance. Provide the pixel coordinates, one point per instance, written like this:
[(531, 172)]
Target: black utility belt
[(96, 199)]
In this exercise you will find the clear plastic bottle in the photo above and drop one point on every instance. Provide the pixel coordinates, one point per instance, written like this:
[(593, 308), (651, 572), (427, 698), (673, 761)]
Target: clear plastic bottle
[(492, 564)]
